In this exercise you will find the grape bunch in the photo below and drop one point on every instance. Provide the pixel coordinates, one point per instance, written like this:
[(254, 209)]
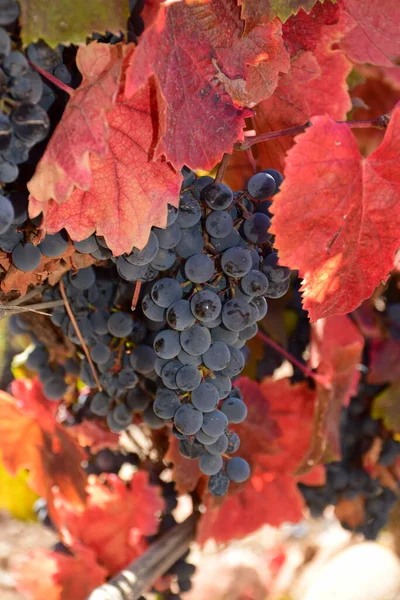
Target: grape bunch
[(23, 122)]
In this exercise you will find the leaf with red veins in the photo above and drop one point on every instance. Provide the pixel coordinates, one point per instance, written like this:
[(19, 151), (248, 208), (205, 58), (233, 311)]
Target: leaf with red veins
[(374, 35), (205, 69), (345, 207), (31, 438), (117, 518), (129, 193), (185, 472), (83, 129), (316, 85), (57, 576)]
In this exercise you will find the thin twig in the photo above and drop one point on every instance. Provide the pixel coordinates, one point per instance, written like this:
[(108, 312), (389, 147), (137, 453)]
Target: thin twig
[(37, 308), (379, 123), (63, 86), (321, 379), (28, 296), (222, 168), (79, 334), (137, 577), (136, 293)]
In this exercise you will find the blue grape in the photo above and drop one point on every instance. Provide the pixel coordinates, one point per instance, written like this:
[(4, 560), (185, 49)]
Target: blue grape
[(238, 469)]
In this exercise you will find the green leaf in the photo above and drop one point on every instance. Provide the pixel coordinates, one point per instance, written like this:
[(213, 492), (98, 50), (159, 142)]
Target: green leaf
[(71, 21), (254, 11), (386, 406)]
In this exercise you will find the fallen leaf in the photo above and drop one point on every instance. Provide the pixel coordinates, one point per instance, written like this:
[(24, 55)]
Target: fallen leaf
[(31, 438), (115, 521), (55, 576), (129, 192), (83, 129), (205, 70), (374, 34), (346, 253)]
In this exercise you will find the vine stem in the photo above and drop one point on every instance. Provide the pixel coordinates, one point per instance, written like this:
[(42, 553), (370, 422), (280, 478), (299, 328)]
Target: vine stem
[(79, 334), (222, 168), (137, 577), (52, 79), (323, 380), (379, 123), (10, 309)]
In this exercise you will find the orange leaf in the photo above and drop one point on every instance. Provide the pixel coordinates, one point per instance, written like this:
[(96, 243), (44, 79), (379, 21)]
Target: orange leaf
[(83, 129), (92, 434), (30, 438), (56, 576), (115, 521), (129, 192), (347, 251), (185, 472)]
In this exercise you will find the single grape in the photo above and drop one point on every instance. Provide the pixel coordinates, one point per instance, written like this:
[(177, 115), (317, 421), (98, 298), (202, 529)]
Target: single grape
[(233, 442), (119, 418), (165, 291), (217, 196), (127, 378), (217, 356), (54, 245), (260, 304), (256, 227), (145, 256), (99, 320), (205, 398), (230, 241), (189, 212), (191, 242), (152, 420), (219, 446), (100, 404), (166, 404), (169, 372), (214, 423), (6, 208), (55, 388), (205, 439), (210, 464), (164, 259), (238, 469), (127, 270), (236, 363), (278, 177), (205, 306), (236, 262), (26, 257), (219, 224), (222, 383), (199, 268), (237, 314), (8, 171), (249, 332), (254, 283), (88, 245), (15, 64), (235, 410), (37, 358), (277, 290), (218, 484), (200, 183), (30, 123), (83, 279), (222, 334), (167, 344), (120, 324), (143, 359), (151, 309), (191, 450), (188, 378), (261, 186), (100, 353), (188, 419), (180, 316), (196, 340), (137, 400)]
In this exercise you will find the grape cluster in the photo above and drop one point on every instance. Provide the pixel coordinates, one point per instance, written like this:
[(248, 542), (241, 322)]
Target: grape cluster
[(347, 479), (23, 122)]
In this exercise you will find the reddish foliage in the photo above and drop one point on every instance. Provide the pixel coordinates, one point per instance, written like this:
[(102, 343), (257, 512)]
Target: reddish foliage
[(31, 438), (345, 253), (384, 361), (374, 31), (115, 521), (93, 435), (129, 193), (254, 11), (55, 576), (83, 128), (303, 31), (305, 91), (185, 472), (220, 69)]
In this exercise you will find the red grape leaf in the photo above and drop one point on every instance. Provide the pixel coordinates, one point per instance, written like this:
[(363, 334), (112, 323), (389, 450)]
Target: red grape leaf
[(255, 11), (335, 351), (116, 519), (205, 69), (83, 129), (345, 208), (307, 90), (185, 472), (30, 438), (384, 361), (374, 34), (129, 192), (56, 576), (91, 434), (266, 497), (50, 269)]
